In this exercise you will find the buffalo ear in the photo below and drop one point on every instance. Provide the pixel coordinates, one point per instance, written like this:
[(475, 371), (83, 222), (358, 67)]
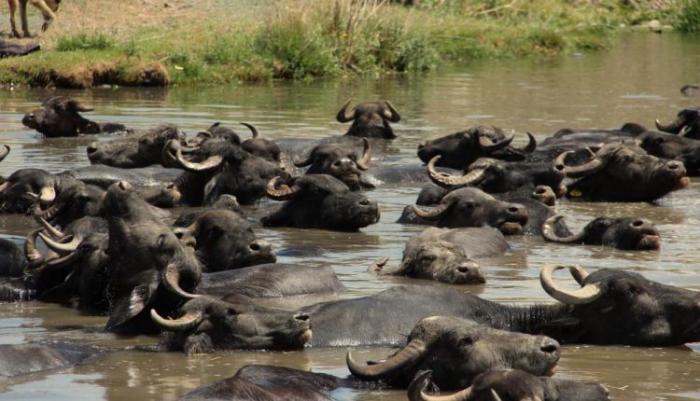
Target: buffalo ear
[(127, 307)]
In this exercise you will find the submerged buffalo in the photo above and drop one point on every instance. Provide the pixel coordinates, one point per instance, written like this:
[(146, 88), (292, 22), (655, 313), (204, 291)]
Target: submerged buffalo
[(59, 116), (461, 149), (24, 359), (445, 255), (370, 119), (471, 207), (148, 266), (457, 351), (687, 124), (339, 161), (624, 172), (141, 149), (320, 201), (610, 307), (512, 385), (25, 187), (206, 325), (674, 147), (225, 240), (622, 233)]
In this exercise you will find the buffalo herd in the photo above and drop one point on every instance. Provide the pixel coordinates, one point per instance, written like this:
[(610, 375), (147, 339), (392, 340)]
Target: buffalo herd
[(104, 242)]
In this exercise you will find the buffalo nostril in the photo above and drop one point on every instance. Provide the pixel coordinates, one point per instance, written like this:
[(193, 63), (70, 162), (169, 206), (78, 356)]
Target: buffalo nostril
[(364, 202), (513, 209), (673, 166), (336, 163), (550, 347), (540, 191), (303, 317), (560, 167), (255, 247), (638, 223)]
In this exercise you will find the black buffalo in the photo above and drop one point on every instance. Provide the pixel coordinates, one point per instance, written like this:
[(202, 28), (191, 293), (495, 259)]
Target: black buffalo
[(471, 207), (60, 116), (674, 147), (206, 325), (339, 161), (687, 124), (320, 201), (25, 187), (225, 240), (623, 233), (512, 385), (458, 350), (138, 150), (370, 119), (611, 307), (624, 172), (23, 359), (462, 148)]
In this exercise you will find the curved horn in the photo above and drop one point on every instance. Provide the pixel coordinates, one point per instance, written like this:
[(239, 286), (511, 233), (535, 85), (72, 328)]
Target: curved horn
[(415, 390), (496, 397), (434, 214), (548, 232), (579, 171), (171, 279), (4, 152), (449, 181), (4, 186), (252, 129), (303, 163), (343, 116), (59, 247), (673, 127), (49, 213), (186, 322), (284, 192), (38, 216), (487, 144), (364, 162), (402, 361), (585, 295), (65, 260), (210, 163), (531, 144), (47, 194), (33, 255), (391, 114), (578, 273)]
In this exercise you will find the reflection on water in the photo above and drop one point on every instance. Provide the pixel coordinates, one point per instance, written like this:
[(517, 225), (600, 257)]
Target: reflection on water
[(637, 81)]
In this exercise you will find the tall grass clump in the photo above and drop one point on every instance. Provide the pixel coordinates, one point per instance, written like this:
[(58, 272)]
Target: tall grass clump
[(83, 41), (295, 47), (687, 16)]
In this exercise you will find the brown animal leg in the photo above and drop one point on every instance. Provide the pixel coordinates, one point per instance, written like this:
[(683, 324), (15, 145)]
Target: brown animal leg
[(23, 16), (46, 11), (13, 8)]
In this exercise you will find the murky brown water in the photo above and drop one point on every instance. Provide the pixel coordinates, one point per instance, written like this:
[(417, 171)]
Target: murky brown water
[(637, 81)]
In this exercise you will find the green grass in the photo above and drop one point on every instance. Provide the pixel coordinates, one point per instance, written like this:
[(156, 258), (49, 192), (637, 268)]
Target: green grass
[(329, 38), (687, 16)]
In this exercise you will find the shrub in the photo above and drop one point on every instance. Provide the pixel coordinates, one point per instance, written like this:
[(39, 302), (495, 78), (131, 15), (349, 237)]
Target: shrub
[(687, 16)]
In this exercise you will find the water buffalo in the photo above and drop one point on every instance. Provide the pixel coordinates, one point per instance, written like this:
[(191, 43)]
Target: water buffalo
[(220, 167), (59, 116), (611, 307), (446, 255), (25, 187), (370, 119), (339, 161), (496, 176), (77, 201), (460, 149), (512, 385), (622, 233), (23, 359), (271, 383), (225, 240), (206, 325), (140, 149), (148, 266), (686, 124), (471, 207), (674, 147), (624, 172), (272, 280), (458, 350), (320, 201)]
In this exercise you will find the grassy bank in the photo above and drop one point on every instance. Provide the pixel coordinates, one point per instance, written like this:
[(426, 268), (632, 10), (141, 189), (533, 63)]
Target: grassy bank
[(212, 41)]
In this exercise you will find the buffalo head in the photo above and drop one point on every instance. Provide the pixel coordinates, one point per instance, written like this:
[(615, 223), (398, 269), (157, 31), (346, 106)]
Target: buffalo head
[(622, 233), (686, 124), (370, 119), (338, 161)]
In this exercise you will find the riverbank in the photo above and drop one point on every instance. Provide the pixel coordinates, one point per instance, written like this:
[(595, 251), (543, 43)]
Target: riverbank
[(180, 42)]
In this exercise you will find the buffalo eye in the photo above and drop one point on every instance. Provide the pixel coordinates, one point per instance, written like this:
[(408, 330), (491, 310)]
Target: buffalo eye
[(465, 342)]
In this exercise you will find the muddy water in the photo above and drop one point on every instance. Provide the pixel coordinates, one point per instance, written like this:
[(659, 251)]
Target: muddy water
[(637, 81)]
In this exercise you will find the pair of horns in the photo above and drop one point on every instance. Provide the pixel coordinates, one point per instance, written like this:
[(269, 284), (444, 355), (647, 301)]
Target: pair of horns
[(362, 164), (389, 113)]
